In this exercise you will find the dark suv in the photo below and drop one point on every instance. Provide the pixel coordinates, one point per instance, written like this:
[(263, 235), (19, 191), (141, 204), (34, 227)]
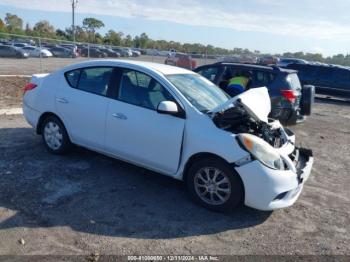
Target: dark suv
[(290, 102), (329, 80)]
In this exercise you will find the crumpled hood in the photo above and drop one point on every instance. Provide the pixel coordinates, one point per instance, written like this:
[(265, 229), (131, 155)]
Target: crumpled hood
[(256, 101)]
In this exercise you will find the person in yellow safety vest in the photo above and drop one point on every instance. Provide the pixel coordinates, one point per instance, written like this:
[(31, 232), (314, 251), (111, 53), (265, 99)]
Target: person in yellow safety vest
[(238, 84)]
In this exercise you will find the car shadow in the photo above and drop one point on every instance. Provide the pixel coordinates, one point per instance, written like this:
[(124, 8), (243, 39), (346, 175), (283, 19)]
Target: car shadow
[(91, 193)]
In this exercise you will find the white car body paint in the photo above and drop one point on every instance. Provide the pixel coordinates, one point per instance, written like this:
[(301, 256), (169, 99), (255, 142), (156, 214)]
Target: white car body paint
[(36, 51), (163, 143)]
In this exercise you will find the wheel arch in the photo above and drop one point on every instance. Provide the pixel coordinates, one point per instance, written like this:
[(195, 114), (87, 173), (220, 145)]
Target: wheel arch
[(203, 155), (42, 119)]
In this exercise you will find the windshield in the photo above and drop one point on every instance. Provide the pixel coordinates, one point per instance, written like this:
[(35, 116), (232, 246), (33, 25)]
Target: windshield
[(199, 91)]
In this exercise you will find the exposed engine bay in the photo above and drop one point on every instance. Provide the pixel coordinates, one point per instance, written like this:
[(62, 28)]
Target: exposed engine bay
[(237, 120)]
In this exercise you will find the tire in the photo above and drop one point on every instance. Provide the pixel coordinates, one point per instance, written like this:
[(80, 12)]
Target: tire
[(307, 99), (55, 137), (232, 191)]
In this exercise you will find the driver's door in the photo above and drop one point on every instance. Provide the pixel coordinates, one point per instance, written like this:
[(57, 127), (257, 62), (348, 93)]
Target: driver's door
[(136, 132)]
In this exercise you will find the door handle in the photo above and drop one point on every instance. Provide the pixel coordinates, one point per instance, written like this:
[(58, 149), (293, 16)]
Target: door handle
[(62, 100), (119, 116)]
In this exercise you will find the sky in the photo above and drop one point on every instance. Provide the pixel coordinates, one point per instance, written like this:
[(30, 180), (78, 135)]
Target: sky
[(274, 26)]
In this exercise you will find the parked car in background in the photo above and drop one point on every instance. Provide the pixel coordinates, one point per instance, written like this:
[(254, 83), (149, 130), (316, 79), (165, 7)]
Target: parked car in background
[(181, 60), (92, 52), (328, 80), (268, 60), (135, 53), (175, 122), (129, 52), (20, 45), (11, 51), (152, 52), (72, 47), (197, 55), (290, 101), (36, 51), (48, 45), (283, 62), (62, 52), (123, 52), (109, 52)]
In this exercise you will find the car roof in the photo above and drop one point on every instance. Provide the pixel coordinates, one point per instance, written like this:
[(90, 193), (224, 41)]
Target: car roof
[(255, 66), (155, 67)]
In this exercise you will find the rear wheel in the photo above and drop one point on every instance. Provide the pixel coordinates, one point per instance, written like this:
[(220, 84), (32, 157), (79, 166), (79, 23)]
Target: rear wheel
[(55, 136), (215, 185)]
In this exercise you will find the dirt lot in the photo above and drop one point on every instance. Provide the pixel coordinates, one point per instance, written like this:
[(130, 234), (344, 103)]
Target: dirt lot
[(11, 91), (85, 202)]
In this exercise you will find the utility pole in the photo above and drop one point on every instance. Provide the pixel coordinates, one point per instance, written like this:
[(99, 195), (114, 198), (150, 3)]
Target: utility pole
[(74, 5)]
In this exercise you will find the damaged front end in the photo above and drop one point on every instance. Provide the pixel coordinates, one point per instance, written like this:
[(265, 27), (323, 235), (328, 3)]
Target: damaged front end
[(238, 121), (248, 114), (273, 159)]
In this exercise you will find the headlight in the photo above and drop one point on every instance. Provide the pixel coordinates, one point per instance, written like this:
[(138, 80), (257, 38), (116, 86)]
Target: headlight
[(261, 150)]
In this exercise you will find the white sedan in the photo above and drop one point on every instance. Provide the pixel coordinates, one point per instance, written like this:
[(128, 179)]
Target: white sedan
[(36, 51), (175, 122)]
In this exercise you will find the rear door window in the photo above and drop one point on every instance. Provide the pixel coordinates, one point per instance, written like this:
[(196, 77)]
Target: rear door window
[(325, 73), (261, 78), (93, 79), (341, 75), (305, 71), (209, 72)]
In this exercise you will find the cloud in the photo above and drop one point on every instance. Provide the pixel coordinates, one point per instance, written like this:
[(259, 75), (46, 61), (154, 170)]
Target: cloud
[(204, 13)]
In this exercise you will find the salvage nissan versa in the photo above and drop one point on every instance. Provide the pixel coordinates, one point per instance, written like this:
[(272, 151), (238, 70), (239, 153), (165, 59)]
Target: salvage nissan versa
[(175, 122)]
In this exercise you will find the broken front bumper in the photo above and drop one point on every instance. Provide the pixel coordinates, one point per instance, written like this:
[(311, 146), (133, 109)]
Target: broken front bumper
[(269, 189)]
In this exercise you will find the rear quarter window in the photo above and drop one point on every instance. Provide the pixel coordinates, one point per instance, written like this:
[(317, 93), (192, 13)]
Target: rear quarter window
[(293, 81), (72, 77)]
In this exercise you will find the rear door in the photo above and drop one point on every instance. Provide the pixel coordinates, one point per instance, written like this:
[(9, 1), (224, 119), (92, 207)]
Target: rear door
[(136, 132), (82, 102), (324, 79), (341, 81)]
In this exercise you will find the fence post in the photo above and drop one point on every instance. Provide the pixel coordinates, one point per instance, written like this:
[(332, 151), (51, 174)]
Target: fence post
[(206, 56), (41, 56)]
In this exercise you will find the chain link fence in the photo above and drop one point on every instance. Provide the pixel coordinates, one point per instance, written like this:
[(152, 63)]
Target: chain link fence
[(26, 55)]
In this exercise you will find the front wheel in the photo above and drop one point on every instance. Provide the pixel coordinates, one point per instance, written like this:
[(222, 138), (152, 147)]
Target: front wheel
[(55, 136), (215, 185)]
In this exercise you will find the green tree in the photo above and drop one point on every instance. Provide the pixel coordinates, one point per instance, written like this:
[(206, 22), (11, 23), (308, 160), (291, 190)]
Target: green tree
[(113, 38), (91, 25), (128, 41), (13, 22), (143, 40), (61, 34), (44, 28), (28, 30), (2, 26)]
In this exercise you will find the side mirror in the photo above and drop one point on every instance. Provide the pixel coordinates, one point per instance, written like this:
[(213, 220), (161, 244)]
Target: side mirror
[(167, 107)]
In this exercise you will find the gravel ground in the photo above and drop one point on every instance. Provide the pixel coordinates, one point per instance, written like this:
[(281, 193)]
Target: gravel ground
[(11, 91), (85, 202)]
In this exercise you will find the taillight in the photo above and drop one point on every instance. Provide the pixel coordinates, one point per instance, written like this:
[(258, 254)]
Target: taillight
[(29, 86), (290, 95)]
